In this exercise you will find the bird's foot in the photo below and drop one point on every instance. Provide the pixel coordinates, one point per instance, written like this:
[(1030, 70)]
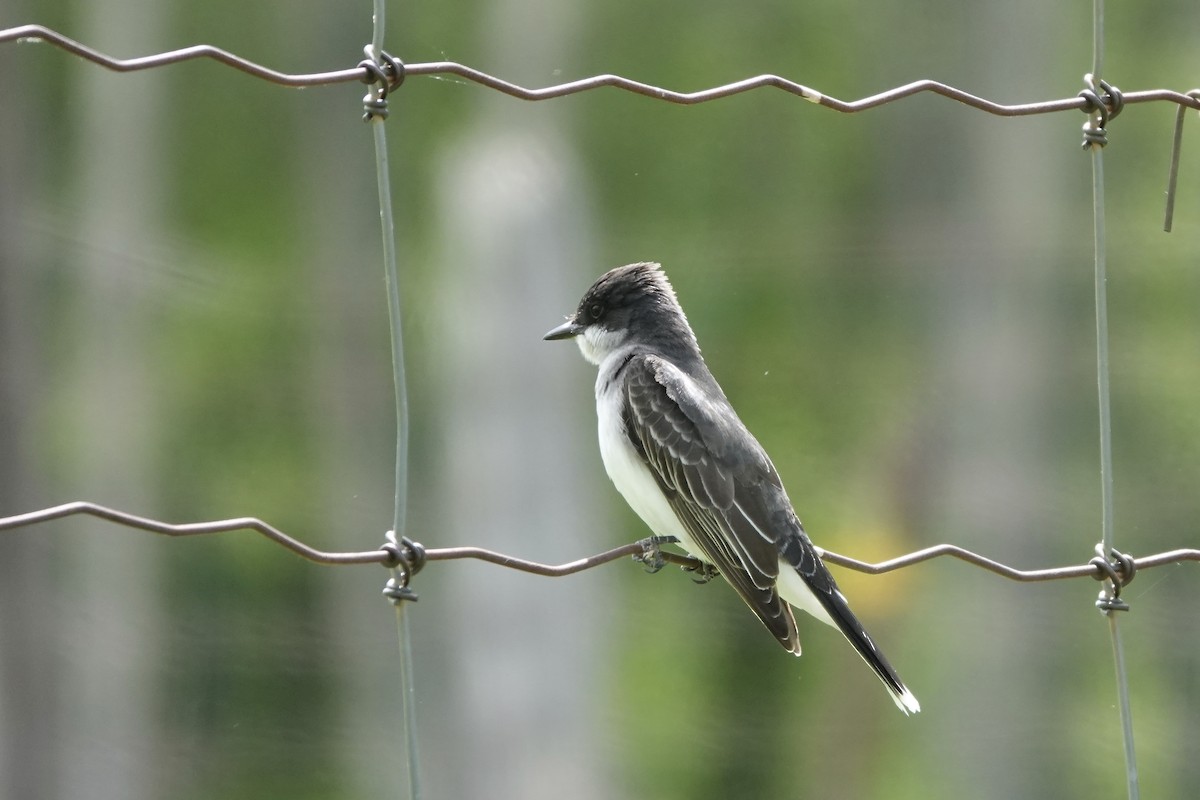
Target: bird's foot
[(702, 573), (651, 556)]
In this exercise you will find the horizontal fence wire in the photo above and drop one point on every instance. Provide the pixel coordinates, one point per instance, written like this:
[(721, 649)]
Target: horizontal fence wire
[(388, 555), (39, 33)]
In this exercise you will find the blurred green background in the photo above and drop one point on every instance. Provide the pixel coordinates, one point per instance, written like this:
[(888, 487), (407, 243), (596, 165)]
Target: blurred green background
[(899, 303)]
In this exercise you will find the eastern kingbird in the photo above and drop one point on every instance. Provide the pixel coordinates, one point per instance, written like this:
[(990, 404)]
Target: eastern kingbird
[(683, 460)]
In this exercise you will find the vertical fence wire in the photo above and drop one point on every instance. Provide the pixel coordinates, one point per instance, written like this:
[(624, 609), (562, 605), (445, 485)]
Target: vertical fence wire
[(1099, 243), (1102, 381), (408, 700), (1106, 476), (391, 278)]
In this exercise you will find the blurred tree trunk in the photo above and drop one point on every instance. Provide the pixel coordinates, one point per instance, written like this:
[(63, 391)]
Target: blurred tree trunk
[(28, 707), (987, 430), (112, 632), (524, 659), (522, 711), (353, 419)]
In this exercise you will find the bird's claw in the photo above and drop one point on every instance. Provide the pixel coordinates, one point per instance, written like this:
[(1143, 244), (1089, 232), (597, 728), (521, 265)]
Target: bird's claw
[(651, 556), (702, 573)]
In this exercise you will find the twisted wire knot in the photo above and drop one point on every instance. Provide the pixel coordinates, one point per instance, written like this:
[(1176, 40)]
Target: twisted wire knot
[(405, 559), (1102, 106), (1119, 572), (383, 72)]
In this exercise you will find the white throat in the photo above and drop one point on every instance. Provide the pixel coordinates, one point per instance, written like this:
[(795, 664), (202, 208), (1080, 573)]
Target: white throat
[(596, 343)]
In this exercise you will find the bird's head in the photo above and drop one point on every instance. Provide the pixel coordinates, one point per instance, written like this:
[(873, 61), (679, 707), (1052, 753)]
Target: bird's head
[(630, 305)]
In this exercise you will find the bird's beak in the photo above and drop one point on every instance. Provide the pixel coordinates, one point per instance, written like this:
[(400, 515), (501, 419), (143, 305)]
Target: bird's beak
[(567, 330)]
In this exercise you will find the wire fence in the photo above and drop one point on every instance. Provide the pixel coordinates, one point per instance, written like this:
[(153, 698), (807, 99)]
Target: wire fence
[(385, 70), (384, 74), (397, 74), (410, 557)]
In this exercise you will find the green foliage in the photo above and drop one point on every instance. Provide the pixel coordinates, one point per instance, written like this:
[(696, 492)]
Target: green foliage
[(906, 331)]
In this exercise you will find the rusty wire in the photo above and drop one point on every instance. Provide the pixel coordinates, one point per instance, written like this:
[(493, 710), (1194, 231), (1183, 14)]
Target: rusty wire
[(29, 33), (386, 555), (396, 71)]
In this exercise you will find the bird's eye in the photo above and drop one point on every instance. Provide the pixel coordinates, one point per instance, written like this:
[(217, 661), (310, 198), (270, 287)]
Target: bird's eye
[(595, 310)]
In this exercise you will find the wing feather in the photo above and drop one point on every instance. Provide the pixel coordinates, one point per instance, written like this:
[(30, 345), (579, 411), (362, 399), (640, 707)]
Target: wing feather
[(732, 503), (679, 432)]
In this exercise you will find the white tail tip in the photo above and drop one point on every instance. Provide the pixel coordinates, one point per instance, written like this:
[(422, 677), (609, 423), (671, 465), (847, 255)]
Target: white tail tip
[(906, 702)]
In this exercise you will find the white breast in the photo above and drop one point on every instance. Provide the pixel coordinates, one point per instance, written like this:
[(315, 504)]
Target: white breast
[(637, 485), (630, 474)]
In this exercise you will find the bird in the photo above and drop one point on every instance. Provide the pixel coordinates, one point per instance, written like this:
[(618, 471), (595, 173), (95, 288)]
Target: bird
[(677, 451)]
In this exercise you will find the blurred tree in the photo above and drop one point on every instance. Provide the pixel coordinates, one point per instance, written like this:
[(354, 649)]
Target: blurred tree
[(513, 245), (29, 682), (107, 734), (898, 303)]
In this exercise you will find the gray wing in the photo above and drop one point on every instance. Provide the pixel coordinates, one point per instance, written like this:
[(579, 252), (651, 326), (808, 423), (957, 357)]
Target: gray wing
[(718, 483), (727, 494)]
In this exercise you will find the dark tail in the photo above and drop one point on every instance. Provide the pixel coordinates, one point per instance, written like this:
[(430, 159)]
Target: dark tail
[(835, 603)]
